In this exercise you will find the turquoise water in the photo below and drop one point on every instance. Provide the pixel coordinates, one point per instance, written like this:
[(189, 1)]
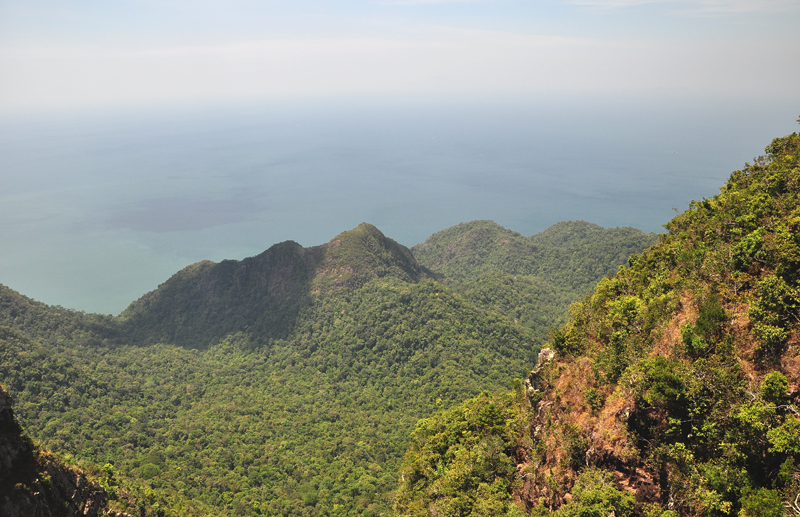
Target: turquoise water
[(97, 209)]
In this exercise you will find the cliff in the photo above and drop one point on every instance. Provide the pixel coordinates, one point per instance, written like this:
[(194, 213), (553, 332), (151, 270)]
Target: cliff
[(33, 483)]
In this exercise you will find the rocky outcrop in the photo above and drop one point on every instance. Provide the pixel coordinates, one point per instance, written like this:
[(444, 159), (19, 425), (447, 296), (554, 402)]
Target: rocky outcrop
[(533, 383), (33, 483)]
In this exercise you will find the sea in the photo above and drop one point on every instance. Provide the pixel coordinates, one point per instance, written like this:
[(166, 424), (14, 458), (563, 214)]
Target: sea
[(99, 206)]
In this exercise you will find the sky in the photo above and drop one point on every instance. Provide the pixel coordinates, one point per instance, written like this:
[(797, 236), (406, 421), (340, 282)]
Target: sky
[(62, 54)]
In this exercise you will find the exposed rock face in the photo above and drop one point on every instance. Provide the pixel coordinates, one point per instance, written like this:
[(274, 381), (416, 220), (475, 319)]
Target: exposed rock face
[(35, 484), (533, 382)]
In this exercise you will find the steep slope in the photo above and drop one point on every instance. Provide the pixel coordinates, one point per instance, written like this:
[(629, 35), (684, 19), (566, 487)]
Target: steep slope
[(262, 296), (671, 391), (33, 482)]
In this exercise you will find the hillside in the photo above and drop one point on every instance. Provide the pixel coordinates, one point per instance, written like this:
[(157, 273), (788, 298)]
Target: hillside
[(54, 325), (531, 280), (572, 254), (281, 384), (309, 420), (467, 250), (34, 482), (671, 391), (263, 296)]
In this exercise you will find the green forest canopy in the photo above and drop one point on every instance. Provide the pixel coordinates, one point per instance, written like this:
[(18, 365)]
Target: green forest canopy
[(284, 384)]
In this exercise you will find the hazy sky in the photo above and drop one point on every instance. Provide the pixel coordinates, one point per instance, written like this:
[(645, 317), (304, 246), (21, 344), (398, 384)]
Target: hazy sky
[(75, 54)]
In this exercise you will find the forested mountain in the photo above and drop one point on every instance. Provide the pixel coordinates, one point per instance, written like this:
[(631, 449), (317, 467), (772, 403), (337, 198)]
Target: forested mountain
[(672, 390), (263, 295), (282, 384), (574, 254), (529, 279), (54, 325)]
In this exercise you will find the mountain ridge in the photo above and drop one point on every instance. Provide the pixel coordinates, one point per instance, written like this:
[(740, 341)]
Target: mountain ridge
[(470, 249), (281, 384), (263, 295), (530, 279)]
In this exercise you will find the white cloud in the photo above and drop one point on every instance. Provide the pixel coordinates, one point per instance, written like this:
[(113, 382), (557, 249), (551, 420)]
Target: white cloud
[(440, 61)]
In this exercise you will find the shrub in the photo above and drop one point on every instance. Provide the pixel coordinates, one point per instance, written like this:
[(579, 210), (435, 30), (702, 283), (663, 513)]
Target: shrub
[(567, 340), (594, 398), (695, 345), (785, 438), (575, 446), (710, 319), (774, 387), (761, 503), (595, 495), (663, 382)]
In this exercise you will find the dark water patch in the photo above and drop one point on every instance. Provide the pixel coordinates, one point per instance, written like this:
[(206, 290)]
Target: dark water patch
[(179, 214)]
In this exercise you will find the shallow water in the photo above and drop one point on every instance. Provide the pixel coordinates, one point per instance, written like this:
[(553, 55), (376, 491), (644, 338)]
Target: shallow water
[(97, 209)]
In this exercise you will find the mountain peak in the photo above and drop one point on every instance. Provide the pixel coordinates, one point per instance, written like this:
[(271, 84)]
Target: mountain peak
[(263, 295), (354, 257), (472, 248)]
